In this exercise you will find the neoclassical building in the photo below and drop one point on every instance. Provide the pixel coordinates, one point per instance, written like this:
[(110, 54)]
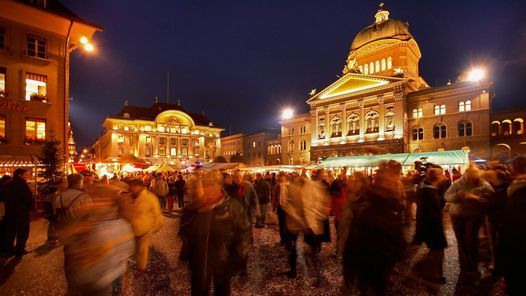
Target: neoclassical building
[(381, 104), (162, 133)]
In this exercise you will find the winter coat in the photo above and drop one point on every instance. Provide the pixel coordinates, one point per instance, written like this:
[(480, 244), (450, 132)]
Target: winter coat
[(513, 238), (143, 213), (262, 188), (217, 240), (376, 240), (159, 187), (180, 187), (468, 207), (251, 198), (18, 199), (432, 203), (339, 197)]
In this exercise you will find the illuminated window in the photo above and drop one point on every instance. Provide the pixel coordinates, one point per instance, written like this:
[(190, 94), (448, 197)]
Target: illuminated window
[(353, 124), (371, 67), (418, 133), (291, 146), (184, 151), (468, 105), (162, 151), (442, 109), (148, 128), (383, 65), (495, 128), (253, 144), (148, 139), (518, 126), (336, 127), (506, 127), (389, 63), (160, 128), (2, 38), (360, 68), (2, 128), (36, 87), (36, 47), (371, 122), (415, 113), (377, 66), (173, 151), (126, 115), (439, 131), (366, 69), (389, 121), (120, 127), (120, 138), (465, 129), (321, 129), (3, 92), (132, 127), (35, 129), (461, 107)]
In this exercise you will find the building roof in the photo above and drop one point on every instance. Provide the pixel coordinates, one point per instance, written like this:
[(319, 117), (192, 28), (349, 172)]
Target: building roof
[(57, 8), (458, 85), (144, 113)]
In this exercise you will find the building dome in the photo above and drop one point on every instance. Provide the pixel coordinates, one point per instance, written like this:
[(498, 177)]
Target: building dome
[(382, 30)]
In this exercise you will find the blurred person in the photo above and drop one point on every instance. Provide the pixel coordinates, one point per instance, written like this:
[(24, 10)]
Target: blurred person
[(339, 194), (514, 230), (194, 186), (455, 174), (52, 192), (279, 200), (159, 187), (18, 204), (171, 194), (3, 229), (467, 198), (376, 240), (248, 194), (142, 210), (180, 188), (97, 241), (218, 234), (70, 201), (495, 213), (262, 187), (432, 203)]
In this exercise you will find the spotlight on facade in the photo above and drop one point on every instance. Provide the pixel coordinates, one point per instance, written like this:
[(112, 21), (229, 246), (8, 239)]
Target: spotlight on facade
[(287, 114), (476, 75), (84, 40), (89, 47)]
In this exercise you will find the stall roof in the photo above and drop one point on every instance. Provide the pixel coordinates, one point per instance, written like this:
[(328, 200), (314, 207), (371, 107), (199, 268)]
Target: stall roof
[(221, 166), (453, 157)]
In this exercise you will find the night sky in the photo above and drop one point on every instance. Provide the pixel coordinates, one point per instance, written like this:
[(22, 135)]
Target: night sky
[(242, 61)]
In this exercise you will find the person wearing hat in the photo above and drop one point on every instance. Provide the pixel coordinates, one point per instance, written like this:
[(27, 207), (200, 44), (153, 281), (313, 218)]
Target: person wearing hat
[(142, 210)]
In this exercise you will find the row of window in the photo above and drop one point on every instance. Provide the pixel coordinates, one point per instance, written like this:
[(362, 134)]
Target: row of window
[(35, 87), (376, 66), (303, 130), (465, 129), (274, 149), (372, 122), (35, 130), (463, 106), (162, 151), (290, 148), (507, 127), (36, 46)]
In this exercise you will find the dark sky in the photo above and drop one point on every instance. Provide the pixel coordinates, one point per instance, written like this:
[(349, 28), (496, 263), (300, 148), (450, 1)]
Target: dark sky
[(242, 61)]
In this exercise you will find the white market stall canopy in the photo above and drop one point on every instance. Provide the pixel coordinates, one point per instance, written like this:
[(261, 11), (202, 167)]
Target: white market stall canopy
[(453, 157), (273, 168), (221, 166)]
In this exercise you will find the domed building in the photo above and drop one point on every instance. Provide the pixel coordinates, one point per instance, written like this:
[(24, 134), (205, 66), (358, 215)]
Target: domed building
[(382, 105)]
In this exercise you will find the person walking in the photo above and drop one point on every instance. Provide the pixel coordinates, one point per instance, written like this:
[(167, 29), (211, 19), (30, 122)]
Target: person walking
[(160, 188), (432, 203), (468, 197), (279, 200), (3, 229), (171, 194), (18, 205), (262, 187), (180, 189), (218, 235), (142, 210)]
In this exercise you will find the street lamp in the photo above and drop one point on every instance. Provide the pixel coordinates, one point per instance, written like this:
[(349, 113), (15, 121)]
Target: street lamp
[(476, 75), (287, 113)]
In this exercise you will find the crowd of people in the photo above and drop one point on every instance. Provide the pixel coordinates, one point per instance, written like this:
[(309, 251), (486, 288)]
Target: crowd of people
[(102, 222)]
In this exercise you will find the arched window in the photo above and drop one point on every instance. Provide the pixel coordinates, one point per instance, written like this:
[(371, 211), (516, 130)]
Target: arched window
[(371, 67), (383, 65), (389, 121), (291, 146), (321, 129), (418, 133), (279, 149), (439, 131), (506, 127), (336, 127), (353, 125), (366, 69), (518, 126), (461, 107), (389, 63), (377, 66), (495, 128), (371, 122), (468, 105), (173, 151), (420, 112), (437, 110), (465, 129)]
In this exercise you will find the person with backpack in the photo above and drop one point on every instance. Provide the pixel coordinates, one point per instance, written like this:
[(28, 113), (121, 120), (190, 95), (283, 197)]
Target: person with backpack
[(68, 204)]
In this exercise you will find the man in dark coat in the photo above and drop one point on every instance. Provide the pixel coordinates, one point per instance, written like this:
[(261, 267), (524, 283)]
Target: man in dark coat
[(514, 231), (262, 188), (218, 235), (180, 188), (18, 204)]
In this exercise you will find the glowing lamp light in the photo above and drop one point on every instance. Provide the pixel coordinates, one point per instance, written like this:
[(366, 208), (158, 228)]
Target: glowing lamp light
[(287, 114), (476, 75), (89, 47), (84, 40)]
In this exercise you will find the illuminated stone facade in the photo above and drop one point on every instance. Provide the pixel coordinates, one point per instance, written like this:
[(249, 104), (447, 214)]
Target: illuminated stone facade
[(256, 146), (36, 39), (232, 145), (296, 140), (162, 133), (369, 110)]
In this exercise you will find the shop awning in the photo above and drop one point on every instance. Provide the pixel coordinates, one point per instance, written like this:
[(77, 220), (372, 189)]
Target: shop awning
[(19, 163), (453, 157)]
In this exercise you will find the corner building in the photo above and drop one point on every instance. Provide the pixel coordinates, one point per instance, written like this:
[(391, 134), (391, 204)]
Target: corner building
[(162, 133), (382, 105)]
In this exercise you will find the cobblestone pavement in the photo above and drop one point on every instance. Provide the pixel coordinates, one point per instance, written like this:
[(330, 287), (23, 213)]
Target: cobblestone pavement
[(41, 272)]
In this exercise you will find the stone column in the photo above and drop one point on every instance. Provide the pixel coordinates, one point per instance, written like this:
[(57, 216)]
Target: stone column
[(399, 112), (381, 118), (344, 122), (327, 125), (362, 121)]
